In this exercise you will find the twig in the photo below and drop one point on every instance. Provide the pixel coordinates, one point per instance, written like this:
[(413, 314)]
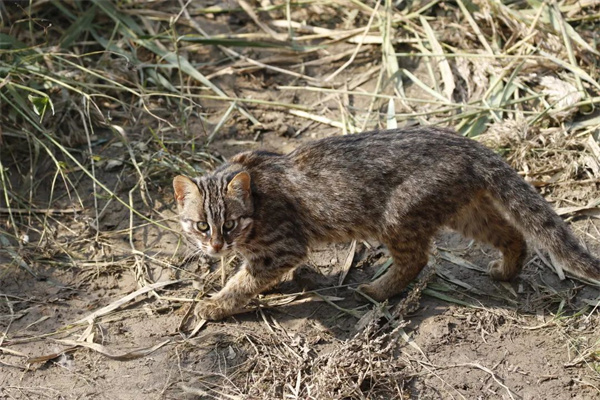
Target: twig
[(40, 210)]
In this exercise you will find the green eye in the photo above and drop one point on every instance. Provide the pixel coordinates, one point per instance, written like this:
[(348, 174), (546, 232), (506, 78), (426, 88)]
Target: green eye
[(202, 226), (228, 225)]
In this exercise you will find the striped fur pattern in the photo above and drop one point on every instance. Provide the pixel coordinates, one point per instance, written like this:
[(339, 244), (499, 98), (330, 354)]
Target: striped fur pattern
[(398, 187)]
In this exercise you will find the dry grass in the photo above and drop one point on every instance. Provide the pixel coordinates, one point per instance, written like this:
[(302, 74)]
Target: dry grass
[(102, 102)]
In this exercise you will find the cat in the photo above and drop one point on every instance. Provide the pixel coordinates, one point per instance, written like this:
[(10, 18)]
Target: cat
[(398, 187)]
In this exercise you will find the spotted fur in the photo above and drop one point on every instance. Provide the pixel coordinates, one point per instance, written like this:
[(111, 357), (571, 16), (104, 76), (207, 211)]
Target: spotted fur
[(399, 187)]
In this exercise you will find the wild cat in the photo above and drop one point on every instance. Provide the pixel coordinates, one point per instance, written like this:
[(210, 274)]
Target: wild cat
[(398, 187)]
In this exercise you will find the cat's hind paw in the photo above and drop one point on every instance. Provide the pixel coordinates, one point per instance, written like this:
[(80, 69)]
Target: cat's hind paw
[(371, 291), (500, 272), (210, 310)]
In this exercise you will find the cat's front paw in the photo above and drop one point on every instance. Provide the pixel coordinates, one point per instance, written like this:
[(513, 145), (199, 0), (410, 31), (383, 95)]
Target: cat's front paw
[(210, 310)]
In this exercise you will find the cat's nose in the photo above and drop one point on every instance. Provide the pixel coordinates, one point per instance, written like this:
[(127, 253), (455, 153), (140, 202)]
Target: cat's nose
[(217, 246)]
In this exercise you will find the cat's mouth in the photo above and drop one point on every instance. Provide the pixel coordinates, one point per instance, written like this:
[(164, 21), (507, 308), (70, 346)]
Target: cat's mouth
[(215, 253)]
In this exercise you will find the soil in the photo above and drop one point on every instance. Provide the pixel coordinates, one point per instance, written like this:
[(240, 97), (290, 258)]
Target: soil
[(534, 338)]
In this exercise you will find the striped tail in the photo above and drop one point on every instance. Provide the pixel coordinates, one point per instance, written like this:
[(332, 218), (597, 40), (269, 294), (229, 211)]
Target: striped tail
[(534, 216)]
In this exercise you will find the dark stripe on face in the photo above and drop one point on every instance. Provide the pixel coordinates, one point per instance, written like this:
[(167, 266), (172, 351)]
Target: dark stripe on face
[(214, 205), (213, 200), (205, 199), (222, 191)]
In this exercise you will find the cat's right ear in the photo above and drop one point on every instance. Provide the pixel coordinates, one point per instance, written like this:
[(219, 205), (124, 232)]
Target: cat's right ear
[(185, 188), (240, 185)]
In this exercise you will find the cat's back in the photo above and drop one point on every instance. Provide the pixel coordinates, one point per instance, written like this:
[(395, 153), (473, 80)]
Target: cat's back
[(392, 149), (419, 144), (378, 160)]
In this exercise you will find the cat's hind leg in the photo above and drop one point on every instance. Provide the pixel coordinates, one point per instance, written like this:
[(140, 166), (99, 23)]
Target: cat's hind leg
[(482, 221), (410, 257)]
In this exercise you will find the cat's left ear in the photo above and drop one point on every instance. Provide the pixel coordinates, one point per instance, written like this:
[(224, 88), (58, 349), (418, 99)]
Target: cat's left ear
[(240, 185)]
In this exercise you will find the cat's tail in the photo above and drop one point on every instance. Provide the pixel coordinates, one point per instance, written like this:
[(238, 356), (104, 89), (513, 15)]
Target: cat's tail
[(536, 218)]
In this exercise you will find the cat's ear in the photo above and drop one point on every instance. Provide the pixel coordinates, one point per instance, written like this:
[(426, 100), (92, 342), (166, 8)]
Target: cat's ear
[(240, 185), (185, 189)]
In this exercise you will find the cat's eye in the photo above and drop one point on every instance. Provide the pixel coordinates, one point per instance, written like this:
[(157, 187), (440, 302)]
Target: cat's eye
[(229, 225), (202, 226)]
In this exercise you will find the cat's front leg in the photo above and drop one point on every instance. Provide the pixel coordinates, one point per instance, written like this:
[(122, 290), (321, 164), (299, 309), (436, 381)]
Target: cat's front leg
[(239, 290)]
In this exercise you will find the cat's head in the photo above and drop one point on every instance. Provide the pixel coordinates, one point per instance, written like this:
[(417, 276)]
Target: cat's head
[(215, 210)]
